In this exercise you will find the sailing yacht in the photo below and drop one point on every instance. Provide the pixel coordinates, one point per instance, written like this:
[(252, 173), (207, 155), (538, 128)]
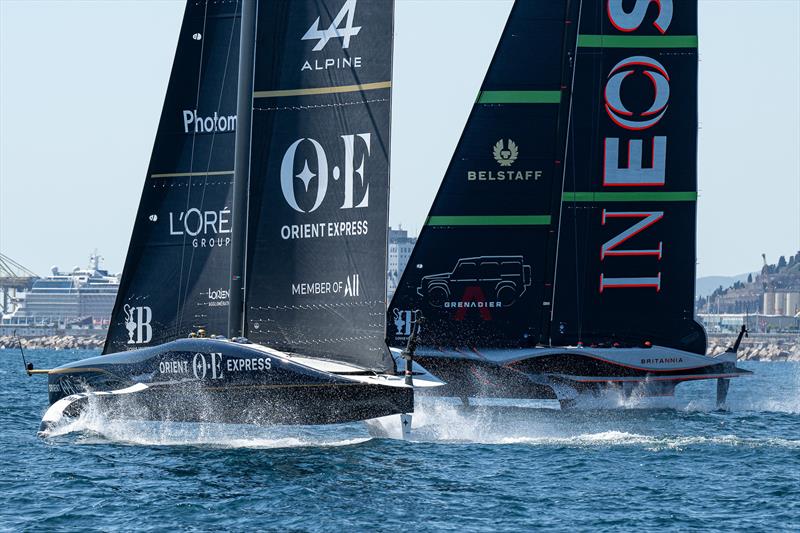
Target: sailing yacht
[(558, 257), (254, 285)]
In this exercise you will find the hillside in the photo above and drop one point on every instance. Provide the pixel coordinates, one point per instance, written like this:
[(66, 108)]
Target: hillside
[(707, 284), (771, 291)]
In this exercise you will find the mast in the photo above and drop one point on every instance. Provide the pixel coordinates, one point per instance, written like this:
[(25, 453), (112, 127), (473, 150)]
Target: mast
[(241, 170), (571, 59)]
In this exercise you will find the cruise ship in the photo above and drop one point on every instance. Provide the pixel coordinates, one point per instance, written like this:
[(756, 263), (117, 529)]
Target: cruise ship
[(82, 298)]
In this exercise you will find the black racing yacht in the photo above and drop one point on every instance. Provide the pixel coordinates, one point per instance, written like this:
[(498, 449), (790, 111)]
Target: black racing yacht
[(558, 256), (254, 285)]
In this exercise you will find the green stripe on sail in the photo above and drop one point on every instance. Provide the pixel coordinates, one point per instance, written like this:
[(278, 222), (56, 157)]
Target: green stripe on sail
[(651, 196), (489, 220), (637, 41), (519, 97)]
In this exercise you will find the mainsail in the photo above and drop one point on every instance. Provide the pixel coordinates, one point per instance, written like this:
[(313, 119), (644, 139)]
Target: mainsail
[(626, 261), (176, 274), (319, 176), (481, 271)]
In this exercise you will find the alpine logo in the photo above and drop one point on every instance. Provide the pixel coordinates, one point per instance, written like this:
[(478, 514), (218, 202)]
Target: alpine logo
[(137, 322), (341, 28), (334, 31), (505, 157)]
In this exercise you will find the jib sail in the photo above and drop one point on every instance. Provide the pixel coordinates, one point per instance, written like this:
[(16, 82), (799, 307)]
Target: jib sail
[(319, 177), (176, 273), (481, 271), (626, 263)]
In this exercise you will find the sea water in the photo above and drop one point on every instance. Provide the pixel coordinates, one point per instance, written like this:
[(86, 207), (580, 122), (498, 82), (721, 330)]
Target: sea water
[(615, 464)]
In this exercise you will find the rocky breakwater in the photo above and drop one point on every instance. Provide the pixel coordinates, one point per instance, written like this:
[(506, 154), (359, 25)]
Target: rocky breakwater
[(55, 342), (760, 347)]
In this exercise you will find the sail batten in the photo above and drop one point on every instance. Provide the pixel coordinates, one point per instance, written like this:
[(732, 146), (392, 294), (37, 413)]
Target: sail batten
[(191, 174), (323, 90)]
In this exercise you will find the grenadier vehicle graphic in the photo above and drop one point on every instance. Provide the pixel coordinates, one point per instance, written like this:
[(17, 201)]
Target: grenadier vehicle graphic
[(503, 279)]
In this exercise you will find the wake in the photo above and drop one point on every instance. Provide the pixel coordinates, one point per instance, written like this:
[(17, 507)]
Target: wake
[(652, 424), (93, 428)]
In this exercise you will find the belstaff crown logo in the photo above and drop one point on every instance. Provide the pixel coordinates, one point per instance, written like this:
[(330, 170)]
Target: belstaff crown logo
[(505, 157)]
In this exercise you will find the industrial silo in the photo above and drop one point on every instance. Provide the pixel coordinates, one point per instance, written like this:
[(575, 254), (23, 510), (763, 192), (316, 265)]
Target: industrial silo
[(780, 303), (792, 303), (769, 303)]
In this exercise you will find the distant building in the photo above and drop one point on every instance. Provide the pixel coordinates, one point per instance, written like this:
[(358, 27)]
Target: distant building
[(756, 323), (775, 292), (82, 298), (400, 247)]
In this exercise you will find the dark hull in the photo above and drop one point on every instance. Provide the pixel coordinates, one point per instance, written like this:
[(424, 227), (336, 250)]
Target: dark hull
[(307, 404), (482, 379), (208, 380), (545, 373)]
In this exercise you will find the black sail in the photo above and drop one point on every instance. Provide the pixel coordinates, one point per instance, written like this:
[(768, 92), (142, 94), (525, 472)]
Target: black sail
[(319, 178), (481, 271), (176, 273), (626, 264)]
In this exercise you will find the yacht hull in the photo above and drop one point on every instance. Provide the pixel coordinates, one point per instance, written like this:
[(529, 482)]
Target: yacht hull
[(556, 373), (209, 380)]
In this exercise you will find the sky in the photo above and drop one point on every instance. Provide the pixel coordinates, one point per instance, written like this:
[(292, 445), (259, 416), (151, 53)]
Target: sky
[(82, 84)]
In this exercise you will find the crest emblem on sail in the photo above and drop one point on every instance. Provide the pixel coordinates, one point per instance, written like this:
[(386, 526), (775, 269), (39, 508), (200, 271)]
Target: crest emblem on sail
[(505, 157)]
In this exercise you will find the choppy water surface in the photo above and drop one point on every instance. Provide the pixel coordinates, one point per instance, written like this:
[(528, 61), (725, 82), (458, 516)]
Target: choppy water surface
[(674, 464)]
